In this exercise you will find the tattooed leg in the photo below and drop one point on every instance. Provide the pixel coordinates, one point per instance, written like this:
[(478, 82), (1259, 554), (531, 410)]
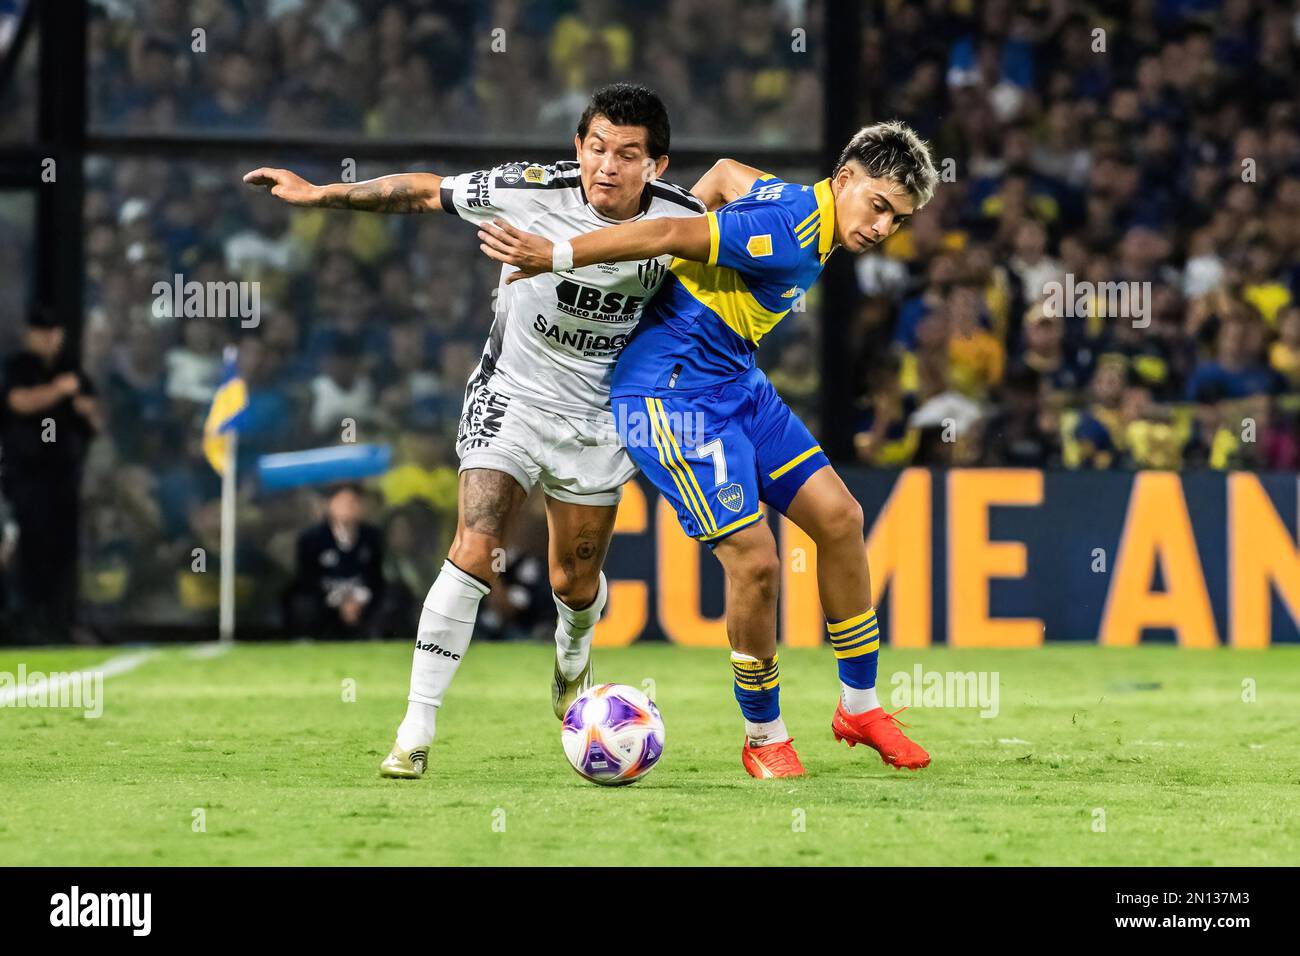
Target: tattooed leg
[(579, 539), (489, 501)]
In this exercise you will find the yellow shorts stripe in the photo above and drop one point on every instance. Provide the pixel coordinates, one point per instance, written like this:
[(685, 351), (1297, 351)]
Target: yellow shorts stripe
[(839, 627), (794, 462), (734, 526), (670, 466), (858, 651), (681, 474), (675, 454), (690, 475)]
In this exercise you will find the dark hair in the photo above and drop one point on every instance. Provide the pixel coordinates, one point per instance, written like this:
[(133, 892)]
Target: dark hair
[(630, 104), (891, 150), (43, 317)]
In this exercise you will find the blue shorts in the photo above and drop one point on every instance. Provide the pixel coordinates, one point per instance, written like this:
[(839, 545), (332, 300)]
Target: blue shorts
[(716, 453)]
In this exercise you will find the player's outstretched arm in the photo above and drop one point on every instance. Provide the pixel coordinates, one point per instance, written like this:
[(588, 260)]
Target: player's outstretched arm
[(402, 192), (685, 238), (725, 181)]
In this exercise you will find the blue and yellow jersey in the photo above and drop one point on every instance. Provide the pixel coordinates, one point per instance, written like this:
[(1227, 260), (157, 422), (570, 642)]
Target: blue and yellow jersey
[(766, 249)]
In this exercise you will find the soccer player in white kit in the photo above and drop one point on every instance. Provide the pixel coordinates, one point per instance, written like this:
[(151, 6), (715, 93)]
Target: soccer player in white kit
[(537, 405)]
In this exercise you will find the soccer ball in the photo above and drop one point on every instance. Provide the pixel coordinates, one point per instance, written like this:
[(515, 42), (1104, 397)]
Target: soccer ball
[(613, 734)]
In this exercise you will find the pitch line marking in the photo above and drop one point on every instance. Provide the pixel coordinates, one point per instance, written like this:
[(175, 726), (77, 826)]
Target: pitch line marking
[(208, 651), (122, 664)]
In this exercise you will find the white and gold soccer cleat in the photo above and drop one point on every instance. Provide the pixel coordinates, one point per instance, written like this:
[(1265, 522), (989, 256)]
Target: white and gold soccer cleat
[(405, 764), (564, 691)]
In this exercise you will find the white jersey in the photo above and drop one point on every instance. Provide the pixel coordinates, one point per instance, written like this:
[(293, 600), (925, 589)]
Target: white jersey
[(556, 336)]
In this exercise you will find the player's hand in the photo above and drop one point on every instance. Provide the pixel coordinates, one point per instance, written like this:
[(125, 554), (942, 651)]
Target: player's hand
[(350, 611), (285, 185), (88, 408), (528, 253), (68, 384)]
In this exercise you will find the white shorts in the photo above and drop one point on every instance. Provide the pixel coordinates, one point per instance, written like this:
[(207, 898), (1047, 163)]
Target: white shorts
[(578, 460)]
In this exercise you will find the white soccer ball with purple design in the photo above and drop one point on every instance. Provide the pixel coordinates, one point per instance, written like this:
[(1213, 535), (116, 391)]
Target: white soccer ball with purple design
[(613, 734)]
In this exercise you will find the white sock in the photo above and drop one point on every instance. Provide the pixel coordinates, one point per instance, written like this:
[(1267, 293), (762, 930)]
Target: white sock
[(768, 732), (446, 626), (573, 631), (858, 701)]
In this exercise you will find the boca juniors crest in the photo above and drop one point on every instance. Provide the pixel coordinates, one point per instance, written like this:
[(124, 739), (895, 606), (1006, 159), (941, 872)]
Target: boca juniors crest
[(732, 497)]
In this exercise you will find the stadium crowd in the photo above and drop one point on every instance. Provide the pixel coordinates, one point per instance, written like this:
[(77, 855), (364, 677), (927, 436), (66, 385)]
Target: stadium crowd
[(421, 68), (1167, 162), (1108, 276)]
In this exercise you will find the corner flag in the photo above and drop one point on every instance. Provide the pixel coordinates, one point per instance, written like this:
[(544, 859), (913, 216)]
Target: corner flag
[(228, 404)]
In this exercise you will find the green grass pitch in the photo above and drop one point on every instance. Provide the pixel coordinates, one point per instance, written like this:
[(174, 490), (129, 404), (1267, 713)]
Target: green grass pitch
[(284, 769)]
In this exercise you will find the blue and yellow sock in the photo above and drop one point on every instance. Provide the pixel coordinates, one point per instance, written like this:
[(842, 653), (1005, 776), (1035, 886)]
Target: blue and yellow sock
[(856, 642), (758, 691)]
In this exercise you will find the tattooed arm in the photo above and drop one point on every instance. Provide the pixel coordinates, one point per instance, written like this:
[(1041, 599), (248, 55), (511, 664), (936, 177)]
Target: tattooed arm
[(403, 192)]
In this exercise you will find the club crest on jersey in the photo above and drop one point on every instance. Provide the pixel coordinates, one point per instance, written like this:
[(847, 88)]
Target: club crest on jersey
[(732, 497), (512, 174), (650, 272)]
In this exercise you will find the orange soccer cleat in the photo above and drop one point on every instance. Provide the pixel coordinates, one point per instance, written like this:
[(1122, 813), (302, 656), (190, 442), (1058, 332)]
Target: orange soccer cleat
[(771, 760), (879, 730)]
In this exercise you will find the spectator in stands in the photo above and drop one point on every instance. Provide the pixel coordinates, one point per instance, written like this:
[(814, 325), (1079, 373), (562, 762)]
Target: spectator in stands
[(342, 393), (976, 357), (1099, 433), (884, 438), (48, 416), (1020, 435), (338, 580)]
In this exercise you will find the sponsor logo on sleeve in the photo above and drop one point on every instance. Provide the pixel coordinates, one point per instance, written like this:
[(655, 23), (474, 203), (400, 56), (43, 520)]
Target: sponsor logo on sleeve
[(476, 190)]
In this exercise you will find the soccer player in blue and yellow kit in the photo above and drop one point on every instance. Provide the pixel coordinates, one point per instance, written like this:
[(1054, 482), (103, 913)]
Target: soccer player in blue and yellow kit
[(709, 430)]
